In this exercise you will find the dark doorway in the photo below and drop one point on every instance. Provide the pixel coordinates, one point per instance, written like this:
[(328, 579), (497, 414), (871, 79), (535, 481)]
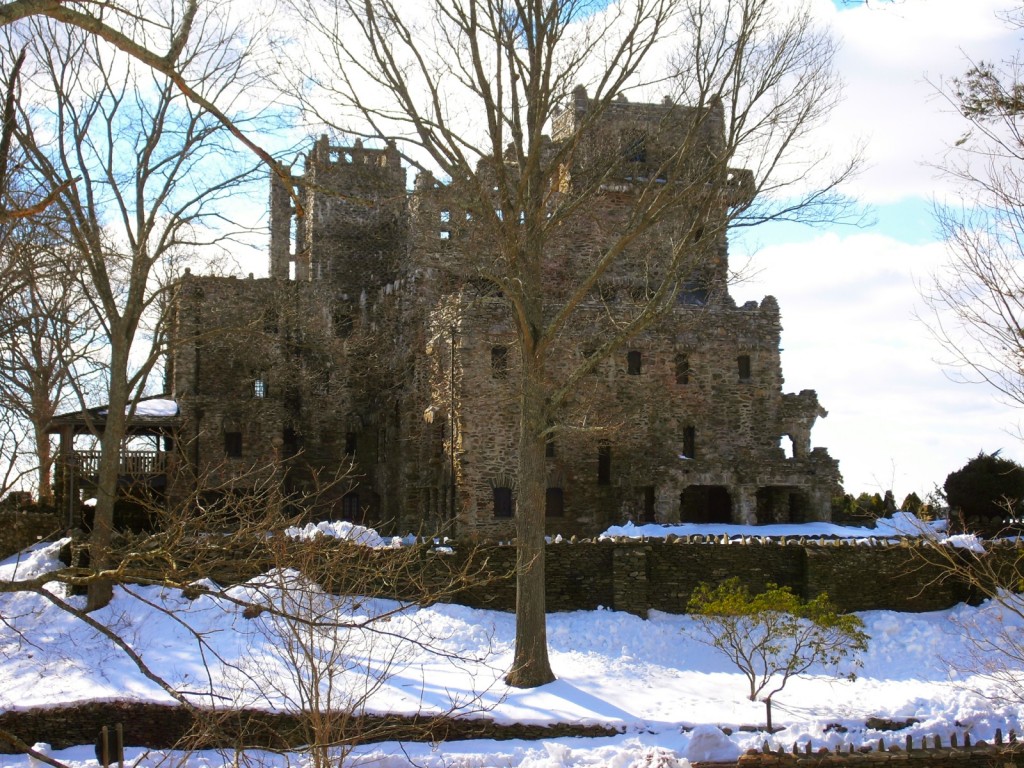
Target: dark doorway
[(705, 504), (781, 504)]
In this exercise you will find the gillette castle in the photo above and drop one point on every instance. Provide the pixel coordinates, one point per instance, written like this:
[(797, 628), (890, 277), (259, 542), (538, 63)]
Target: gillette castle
[(366, 378)]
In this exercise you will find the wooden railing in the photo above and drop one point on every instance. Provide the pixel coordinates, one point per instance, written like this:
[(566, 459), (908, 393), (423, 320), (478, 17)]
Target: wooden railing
[(132, 464)]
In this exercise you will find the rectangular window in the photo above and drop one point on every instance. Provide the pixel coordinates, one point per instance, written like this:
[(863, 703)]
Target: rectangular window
[(259, 386), (633, 362), (682, 368), (503, 502), (648, 500), (350, 507), (321, 383), (342, 322), (690, 442), (554, 503), (743, 364), (499, 362), (634, 146), (233, 445), (604, 464), (291, 443), (350, 443)]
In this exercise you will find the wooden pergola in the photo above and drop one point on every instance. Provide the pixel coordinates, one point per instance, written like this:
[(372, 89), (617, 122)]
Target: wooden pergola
[(76, 470)]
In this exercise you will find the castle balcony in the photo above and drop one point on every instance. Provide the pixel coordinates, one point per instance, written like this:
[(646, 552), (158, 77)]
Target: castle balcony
[(134, 465)]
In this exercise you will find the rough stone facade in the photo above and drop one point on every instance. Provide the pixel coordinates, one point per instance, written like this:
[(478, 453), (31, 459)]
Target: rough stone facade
[(19, 530), (361, 356)]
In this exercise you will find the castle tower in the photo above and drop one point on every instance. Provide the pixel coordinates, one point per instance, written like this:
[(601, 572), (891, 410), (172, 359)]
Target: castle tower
[(653, 144), (354, 230)]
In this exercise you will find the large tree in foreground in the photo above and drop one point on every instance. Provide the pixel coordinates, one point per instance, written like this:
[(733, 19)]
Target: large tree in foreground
[(472, 88), (151, 169)]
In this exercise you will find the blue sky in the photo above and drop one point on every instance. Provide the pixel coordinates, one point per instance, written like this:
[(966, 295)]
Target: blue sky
[(850, 298)]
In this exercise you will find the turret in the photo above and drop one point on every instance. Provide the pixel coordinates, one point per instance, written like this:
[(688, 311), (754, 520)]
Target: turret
[(281, 213)]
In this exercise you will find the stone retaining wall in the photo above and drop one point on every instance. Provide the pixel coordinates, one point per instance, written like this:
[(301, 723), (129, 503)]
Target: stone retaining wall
[(638, 576), (165, 727), (19, 530), (929, 752), (660, 574)]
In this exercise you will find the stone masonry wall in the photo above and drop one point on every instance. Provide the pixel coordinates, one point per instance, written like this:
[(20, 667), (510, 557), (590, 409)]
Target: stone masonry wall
[(661, 574), (160, 726), (638, 576), (736, 422), (19, 530)]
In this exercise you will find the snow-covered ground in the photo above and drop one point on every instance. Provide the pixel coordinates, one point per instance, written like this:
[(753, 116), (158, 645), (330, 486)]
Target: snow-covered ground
[(667, 694)]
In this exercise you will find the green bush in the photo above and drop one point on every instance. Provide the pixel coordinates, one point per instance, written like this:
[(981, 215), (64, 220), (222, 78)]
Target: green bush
[(774, 635), (987, 486)]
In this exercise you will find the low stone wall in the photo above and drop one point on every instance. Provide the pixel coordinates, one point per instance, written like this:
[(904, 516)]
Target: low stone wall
[(19, 530), (639, 576), (654, 574), (172, 727)]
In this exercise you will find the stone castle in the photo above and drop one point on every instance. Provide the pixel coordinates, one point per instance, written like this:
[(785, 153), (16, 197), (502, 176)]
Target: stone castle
[(366, 371)]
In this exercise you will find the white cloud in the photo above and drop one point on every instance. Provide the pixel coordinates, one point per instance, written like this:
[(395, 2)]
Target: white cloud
[(893, 58), (848, 312)]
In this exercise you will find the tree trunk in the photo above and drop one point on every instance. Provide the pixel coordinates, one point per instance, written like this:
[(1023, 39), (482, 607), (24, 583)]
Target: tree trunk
[(45, 456), (101, 590), (530, 666)]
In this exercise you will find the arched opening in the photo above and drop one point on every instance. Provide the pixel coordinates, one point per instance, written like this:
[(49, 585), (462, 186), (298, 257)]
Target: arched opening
[(781, 504), (786, 444), (705, 504)]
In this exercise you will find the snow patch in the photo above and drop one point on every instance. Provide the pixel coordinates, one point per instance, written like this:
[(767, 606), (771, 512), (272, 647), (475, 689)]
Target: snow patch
[(900, 524), (709, 744), (342, 529)]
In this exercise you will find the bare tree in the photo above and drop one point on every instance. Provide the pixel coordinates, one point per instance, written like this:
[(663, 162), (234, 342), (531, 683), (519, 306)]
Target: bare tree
[(155, 35), (18, 463), (49, 342), (472, 88), (977, 298), (153, 169)]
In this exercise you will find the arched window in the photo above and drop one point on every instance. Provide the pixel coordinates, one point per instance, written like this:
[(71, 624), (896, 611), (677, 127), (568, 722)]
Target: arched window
[(554, 503), (503, 502)]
